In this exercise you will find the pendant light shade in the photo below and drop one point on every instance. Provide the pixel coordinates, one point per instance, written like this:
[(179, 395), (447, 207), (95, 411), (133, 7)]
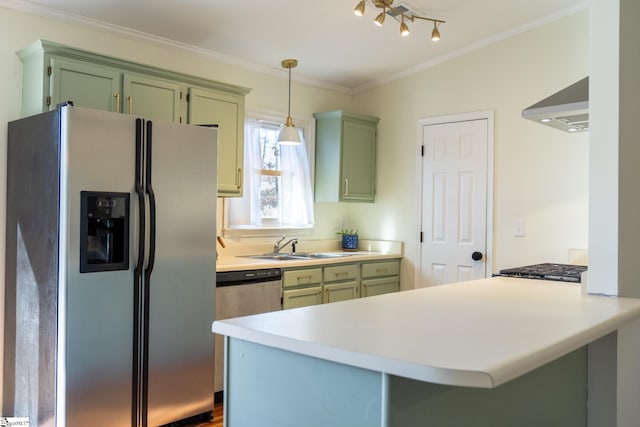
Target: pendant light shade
[(288, 133)]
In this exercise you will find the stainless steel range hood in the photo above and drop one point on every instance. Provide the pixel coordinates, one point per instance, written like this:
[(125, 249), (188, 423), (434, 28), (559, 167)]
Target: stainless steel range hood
[(567, 110)]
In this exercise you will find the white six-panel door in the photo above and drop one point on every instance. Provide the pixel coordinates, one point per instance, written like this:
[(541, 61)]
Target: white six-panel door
[(454, 202)]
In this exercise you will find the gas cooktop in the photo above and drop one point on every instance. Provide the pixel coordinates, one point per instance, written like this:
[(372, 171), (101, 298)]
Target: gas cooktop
[(547, 271)]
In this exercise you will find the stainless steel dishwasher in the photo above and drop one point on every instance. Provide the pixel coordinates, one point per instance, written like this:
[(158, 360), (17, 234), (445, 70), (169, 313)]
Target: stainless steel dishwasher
[(242, 293)]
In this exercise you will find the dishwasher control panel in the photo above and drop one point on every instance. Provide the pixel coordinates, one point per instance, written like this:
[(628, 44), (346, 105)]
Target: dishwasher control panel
[(228, 278)]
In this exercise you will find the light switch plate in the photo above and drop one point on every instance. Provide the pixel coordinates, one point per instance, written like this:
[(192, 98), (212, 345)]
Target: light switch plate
[(519, 228)]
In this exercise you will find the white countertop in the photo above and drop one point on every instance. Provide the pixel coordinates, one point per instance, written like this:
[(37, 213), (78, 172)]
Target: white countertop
[(234, 263), (481, 333)]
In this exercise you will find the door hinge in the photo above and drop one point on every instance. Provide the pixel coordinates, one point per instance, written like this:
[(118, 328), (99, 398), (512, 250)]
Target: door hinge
[(421, 237), (180, 94), (48, 101), (422, 150), (49, 70), (188, 97)]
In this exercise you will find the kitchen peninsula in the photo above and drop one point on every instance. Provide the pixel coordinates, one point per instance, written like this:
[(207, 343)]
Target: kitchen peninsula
[(491, 352)]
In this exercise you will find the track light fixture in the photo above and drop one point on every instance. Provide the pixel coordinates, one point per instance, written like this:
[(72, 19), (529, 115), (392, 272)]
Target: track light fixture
[(401, 14)]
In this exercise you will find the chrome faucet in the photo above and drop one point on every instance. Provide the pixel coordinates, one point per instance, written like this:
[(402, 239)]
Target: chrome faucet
[(279, 245)]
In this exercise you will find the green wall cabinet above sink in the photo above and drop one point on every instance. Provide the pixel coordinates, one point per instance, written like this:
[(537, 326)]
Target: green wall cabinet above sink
[(345, 157)]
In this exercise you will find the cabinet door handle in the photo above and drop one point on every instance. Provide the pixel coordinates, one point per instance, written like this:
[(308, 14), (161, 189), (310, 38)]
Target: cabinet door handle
[(341, 273), (307, 278), (346, 187), (117, 97), (130, 99), (381, 270), (240, 178)]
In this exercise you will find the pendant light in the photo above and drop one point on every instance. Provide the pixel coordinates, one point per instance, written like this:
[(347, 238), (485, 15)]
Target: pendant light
[(288, 133)]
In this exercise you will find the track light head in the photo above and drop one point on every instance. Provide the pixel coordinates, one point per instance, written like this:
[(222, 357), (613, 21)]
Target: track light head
[(435, 34), (359, 10), (380, 18), (404, 29)]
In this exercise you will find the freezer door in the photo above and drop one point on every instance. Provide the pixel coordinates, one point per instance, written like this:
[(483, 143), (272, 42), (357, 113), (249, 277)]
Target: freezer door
[(96, 330), (181, 289)]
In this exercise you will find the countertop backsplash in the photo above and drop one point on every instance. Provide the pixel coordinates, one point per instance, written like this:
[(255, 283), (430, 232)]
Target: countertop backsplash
[(234, 248)]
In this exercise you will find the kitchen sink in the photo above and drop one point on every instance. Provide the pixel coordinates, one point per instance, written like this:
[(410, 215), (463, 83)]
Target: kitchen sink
[(327, 255), (279, 257), (297, 256)]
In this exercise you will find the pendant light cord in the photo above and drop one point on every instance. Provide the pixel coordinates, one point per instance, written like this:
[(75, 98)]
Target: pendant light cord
[(289, 107)]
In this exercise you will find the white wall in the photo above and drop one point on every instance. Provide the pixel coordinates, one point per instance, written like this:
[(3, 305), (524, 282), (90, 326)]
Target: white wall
[(541, 174)]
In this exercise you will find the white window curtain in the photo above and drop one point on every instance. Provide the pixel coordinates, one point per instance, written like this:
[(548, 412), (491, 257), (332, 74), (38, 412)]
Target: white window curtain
[(296, 197)]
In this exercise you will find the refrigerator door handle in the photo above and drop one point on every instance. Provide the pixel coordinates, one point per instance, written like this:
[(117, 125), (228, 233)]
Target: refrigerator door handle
[(137, 416), (152, 203), (139, 188), (144, 401)]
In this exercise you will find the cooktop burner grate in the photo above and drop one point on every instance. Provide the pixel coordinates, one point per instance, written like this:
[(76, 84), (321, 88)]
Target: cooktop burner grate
[(547, 271)]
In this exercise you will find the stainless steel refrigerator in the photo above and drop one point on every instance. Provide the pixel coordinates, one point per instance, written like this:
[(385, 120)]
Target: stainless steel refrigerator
[(110, 270)]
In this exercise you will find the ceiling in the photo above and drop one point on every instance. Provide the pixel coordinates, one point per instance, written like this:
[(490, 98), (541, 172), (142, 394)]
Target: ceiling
[(333, 46)]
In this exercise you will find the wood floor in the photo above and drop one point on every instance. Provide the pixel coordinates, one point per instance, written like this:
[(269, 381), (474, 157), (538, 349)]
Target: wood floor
[(217, 416)]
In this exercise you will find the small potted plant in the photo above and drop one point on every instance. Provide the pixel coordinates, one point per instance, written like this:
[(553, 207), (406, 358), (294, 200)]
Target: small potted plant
[(349, 239)]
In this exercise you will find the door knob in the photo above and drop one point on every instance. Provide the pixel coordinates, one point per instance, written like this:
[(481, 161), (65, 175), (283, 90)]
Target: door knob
[(476, 256)]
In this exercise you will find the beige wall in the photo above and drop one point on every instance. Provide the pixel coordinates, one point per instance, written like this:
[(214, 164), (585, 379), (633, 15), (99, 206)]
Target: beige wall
[(541, 174)]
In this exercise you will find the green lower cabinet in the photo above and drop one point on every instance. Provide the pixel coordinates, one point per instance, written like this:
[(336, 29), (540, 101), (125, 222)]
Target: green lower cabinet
[(380, 278), (341, 291), (295, 298), (339, 282), (301, 287), (385, 285)]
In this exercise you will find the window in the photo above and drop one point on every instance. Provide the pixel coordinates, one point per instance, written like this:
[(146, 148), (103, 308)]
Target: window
[(277, 190)]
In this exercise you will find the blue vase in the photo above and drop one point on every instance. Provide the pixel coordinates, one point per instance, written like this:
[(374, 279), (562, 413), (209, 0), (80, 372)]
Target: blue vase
[(350, 242)]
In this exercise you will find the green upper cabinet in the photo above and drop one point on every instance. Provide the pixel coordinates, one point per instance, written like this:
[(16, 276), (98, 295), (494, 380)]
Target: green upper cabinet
[(54, 73), (152, 98), (227, 111), (87, 85), (345, 157)]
